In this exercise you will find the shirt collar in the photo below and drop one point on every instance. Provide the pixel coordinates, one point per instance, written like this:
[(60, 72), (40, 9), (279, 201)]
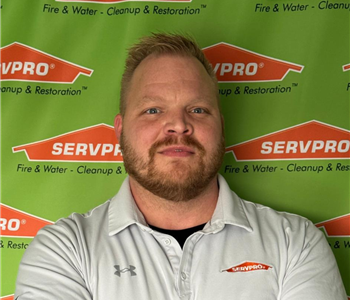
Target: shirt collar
[(229, 210), (124, 212)]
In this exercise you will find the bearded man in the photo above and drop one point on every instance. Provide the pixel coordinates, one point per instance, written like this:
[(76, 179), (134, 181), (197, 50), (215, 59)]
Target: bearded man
[(175, 230)]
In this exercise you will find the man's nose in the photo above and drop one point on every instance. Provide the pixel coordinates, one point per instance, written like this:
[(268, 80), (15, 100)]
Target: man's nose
[(178, 123)]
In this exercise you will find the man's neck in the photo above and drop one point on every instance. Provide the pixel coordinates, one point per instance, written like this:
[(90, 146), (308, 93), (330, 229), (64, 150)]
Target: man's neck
[(172, 215)]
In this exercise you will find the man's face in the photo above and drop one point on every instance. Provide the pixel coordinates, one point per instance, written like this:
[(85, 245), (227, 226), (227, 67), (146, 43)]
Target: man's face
[(171, 134)]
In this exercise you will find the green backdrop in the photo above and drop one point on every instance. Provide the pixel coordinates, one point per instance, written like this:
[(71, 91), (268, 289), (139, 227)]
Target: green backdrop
[(284, 72)]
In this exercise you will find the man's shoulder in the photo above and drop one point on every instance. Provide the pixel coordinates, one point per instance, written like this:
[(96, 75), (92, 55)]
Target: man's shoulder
[(264, 215), (77, 223)]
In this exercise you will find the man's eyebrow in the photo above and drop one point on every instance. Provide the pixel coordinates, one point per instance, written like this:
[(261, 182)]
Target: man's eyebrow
[(196, 101), (146, 99)]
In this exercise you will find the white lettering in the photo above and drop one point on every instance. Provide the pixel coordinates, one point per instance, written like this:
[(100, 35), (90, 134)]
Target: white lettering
[(17, 66), (237, 69), (69, 149), (92, 151), (83, 149), (311, 146), (303, 148), (330, 146), (106, 148), (5, 68), (266, 146), (225, 68), (42, 69), (117, 150), (26, 68), (57, 149), (317, 145), (340, 146), (3, 223), (251, 69), (292, 147), (279, 146), (29, 67), (11, 225)]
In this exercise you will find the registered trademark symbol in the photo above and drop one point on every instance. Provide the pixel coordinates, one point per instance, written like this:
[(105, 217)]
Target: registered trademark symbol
[(52, 66), (23, 221), (261, 65)]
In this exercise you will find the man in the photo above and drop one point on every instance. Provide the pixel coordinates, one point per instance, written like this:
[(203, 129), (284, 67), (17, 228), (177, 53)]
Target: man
[(175, 230)]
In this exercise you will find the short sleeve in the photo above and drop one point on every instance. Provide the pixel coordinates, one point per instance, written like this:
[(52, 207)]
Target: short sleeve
[(51, 268), (312, 272)]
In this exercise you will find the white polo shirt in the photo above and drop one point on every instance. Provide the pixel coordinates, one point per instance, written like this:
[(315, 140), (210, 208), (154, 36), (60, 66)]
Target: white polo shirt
[(246, 251)]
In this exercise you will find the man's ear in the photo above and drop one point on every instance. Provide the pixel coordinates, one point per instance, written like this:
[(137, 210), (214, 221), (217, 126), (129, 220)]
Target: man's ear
[(118, 125)]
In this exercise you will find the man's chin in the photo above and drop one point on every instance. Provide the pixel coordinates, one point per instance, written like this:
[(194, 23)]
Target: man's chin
[(176, 186), (175, 173)]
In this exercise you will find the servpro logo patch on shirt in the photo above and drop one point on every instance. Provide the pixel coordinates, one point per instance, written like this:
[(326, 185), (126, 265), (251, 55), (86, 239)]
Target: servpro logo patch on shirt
[(248, 266), (91, 144), (235, 64), (23, 63)]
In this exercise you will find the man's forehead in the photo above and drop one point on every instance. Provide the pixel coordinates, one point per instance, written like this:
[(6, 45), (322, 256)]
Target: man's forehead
[(168, 75), (189, 92), (170, 63), (172, 71), (205, 99)]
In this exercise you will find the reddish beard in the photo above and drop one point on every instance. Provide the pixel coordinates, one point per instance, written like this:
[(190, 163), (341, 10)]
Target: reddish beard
[(182, 181)]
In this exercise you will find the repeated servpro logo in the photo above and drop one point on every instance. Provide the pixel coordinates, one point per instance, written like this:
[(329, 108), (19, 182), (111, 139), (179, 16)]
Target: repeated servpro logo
[(310, 140), (23, 63), (235, 64), (8, 297), (248, 266), (119, 1), (337, 227), (346, 67), (17, 223), (91, 144)]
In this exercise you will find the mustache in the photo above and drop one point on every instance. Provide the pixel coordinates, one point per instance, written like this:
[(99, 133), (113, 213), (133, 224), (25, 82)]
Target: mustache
[(174, 140)]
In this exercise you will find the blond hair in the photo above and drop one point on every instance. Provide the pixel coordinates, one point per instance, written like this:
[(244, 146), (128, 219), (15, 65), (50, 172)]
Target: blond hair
[(161, 43)]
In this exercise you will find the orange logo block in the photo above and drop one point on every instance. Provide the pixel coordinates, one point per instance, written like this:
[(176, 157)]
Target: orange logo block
[(91, 144), (17, 223), (337, 227), (310, 140), (23, 63), (235, 64), (8, 297)]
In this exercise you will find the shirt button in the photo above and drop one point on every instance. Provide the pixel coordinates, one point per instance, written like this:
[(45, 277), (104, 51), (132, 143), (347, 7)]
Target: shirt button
[(167, 241), (183, 276)]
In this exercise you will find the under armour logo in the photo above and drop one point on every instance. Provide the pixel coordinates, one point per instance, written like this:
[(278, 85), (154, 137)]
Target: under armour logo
[(131, 270)]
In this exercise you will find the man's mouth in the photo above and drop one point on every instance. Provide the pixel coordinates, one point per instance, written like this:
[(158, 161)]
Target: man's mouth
[(177, 151)]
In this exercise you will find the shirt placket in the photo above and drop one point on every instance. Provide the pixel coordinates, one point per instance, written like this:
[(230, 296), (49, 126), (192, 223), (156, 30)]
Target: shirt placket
[(185, 272), (180, 260)]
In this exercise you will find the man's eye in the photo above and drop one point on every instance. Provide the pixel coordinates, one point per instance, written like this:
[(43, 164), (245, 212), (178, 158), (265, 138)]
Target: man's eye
[(152, 111), (198, 110)]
